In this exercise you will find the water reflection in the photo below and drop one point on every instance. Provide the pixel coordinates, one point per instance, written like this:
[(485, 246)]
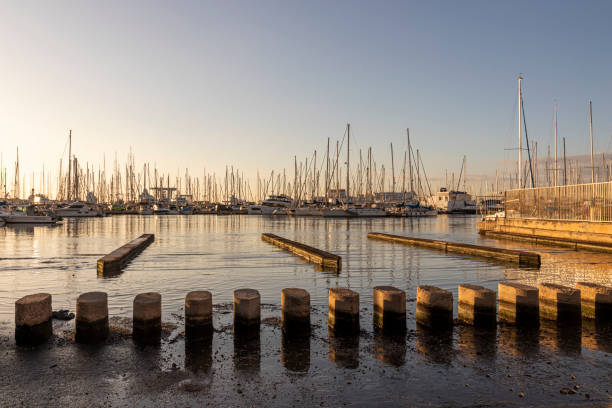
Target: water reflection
[(295, 352), (564, 338), (519, 340), (390, 348), (435, 343), (247, 350), (477, 343), (344, 349), (597, 335), (198, 354)]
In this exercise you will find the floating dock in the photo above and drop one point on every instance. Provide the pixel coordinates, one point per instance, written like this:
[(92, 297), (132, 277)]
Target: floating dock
[(314, 255), (522, 258), (114, 261)]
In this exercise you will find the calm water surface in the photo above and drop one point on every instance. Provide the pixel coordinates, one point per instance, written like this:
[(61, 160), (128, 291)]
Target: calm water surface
[(223, 253)]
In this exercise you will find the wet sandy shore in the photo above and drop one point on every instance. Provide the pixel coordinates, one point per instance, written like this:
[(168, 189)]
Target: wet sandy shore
[(467, 367)]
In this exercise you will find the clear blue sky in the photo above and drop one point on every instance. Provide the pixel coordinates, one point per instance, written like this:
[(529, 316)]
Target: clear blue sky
[(251, 83)]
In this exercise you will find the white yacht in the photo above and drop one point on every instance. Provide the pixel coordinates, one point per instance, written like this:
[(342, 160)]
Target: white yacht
[(31, 215), (77, 209), (275, 205), (254, 209), (453, 202), (367, 211), (337, 212)]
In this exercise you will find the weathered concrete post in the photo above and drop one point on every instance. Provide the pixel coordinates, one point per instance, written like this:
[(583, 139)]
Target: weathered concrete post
[(343, 310), (247, 318), (91, 318), (518, 303), (596, 301), (477, 305), (434, 307), (147, 318), (389, 309), (247, 309), (198, 314), (295, 315), (33, 319), (559, 303)]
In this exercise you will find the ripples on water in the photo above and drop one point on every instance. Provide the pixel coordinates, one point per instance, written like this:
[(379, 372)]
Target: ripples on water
[(223, 253)]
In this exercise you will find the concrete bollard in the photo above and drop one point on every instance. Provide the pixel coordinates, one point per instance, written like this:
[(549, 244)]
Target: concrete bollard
[(596, 301), (434, 307), (559, 303), (247, 309), (91, 318), (198, 314), (518, 303), (343, 314), (389, 309), (477, 305), (33, 319), (295, 317), (147, 318)]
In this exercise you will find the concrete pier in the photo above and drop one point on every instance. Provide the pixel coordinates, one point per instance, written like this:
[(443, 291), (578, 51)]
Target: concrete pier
[(91, 324), (521, 258), (295, 317), (389, 309), (596, 301), (518, 303), (117, 259), (477, 305), (434, 307), (247, 309), (33, 319), (147, 318), (559, 303), (343, 311), (314, 255), (198, 314)]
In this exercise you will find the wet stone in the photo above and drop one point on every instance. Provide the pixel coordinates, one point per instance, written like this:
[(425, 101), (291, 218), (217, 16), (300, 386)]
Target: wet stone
[(559, 303), (518, 303), (147, 318), (595, 301), (434, 307), (33, 319), (295, 316), (198, 314), (343, 310), (477, 305), (91, 318), (389, 309), (247, 309)]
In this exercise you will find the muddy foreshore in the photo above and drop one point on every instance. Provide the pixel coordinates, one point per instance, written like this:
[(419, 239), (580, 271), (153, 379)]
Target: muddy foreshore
[(468, 367)]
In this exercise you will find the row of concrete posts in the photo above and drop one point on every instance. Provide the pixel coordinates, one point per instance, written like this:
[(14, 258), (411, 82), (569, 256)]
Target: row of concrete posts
[(518, 304)]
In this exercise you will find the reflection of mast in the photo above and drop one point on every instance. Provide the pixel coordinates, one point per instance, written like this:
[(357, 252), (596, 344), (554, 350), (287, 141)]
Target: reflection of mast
[(69, 164)]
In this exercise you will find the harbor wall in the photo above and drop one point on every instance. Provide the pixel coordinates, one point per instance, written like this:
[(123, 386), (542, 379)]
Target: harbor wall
[(587, 235)]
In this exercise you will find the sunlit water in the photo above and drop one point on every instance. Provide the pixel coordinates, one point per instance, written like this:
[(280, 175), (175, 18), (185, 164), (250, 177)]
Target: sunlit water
[(223, 253)]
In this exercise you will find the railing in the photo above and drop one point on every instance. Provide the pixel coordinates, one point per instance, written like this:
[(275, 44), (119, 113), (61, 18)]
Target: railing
[(580, 202)]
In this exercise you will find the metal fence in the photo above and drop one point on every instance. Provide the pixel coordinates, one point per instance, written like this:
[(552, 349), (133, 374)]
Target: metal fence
[(580, 202)]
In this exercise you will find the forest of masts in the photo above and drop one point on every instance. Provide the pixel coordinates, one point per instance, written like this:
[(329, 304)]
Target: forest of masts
[(317, 176)]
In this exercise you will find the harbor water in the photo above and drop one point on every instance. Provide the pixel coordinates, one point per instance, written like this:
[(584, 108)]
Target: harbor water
[(468, 367)]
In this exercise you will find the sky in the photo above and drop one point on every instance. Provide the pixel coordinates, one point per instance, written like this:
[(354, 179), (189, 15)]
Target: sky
[(252, 83)]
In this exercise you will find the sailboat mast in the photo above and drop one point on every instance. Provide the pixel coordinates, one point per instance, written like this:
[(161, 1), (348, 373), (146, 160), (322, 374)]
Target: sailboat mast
[(591, 132), (556, 166), (392, 171), (410, 161), (348, 141), (69, 162), (520, 135)]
